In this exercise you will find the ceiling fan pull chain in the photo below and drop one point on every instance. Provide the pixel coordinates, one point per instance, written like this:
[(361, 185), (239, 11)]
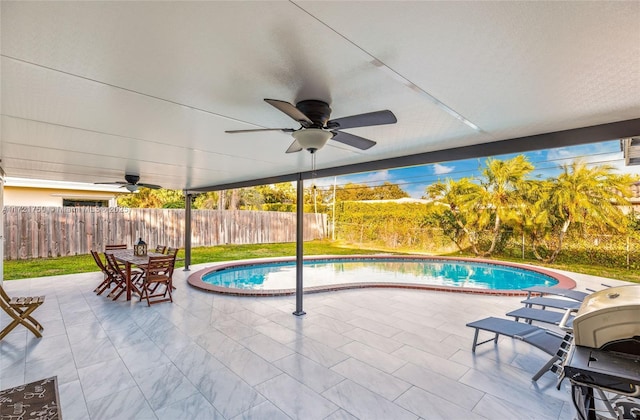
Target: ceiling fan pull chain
[(313, 165)]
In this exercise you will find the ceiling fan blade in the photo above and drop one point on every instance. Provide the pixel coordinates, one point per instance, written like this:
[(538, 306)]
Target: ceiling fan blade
[(354, 141), (111, 183), (151, 186), (295, 147), (284, 130), (291, 111), (363, 120)]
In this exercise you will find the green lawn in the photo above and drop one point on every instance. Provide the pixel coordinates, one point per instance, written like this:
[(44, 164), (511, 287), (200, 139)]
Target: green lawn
[(21, 269)]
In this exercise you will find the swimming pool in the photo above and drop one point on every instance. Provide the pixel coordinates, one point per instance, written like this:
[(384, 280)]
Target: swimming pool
[(278, 276)]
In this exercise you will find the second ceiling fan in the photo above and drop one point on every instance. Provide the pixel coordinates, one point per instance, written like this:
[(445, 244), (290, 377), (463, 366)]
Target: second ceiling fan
[(316, 128)]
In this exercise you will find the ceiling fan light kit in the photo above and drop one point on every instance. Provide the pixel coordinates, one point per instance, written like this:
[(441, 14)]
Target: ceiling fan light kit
[(312, 139)]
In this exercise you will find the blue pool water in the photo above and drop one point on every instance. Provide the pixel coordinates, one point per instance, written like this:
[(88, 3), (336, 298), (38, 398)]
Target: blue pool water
[(282, 275)]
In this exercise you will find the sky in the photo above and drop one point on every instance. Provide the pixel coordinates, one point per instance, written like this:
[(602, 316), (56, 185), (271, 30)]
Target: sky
[(415, 179), (547, 162)]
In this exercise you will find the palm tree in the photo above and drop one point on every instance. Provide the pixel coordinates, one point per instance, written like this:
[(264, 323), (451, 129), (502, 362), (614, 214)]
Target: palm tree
[(579, 195), (497, 200), (478, 208), (450, 215)]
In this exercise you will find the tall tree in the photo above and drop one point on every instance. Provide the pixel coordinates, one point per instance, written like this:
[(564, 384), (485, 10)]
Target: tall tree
[(359, 192), (579, 195), (143, 198), (206, 201), (496, 201), (450, 210)]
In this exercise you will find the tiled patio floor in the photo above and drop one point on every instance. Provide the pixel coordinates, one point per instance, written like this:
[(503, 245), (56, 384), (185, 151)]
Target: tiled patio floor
[(367, 353)]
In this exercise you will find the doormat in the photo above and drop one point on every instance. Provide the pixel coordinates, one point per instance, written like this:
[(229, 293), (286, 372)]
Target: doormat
[(35, 400)]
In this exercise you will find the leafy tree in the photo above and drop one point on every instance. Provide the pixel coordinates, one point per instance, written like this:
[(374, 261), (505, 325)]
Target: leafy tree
[(148, 198), (500, 197), (283, 193), (359, 192), (450, 207), (579, 196), (480, 208), (206, 201), (143, 198)]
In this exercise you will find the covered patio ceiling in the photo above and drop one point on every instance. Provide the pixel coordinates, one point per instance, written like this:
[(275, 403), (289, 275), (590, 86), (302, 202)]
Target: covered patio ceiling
[(94, 90)]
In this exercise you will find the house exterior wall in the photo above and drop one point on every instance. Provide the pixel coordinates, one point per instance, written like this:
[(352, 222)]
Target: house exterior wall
[(51, 197)]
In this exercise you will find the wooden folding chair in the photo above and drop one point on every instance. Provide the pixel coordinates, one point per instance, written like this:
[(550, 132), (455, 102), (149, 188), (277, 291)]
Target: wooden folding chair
[(108, 274), (159, 271), (173, 252), (120, 277), (20, 309), (115, 246)]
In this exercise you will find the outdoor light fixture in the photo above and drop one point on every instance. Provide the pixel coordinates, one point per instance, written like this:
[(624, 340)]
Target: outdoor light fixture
[(131, 187), (312, 139)]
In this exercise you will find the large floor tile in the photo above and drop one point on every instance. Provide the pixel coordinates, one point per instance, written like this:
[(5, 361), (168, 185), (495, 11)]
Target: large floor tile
[(264, 411), (365, 404), (506, 386), (318, 352), (195, 407), (265, 347), (432, 362), (312, 374), (72, 402), (295, 399), (105, 378), (429, 406), (440, 385), (142, 356), (374, 357), (163, 385), (371, 378), (229, 394), (114, 406)]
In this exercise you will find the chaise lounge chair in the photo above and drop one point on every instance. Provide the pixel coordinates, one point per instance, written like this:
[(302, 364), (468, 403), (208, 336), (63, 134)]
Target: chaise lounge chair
[(557, 291), (552, 303), (540, 315), (549, 342)]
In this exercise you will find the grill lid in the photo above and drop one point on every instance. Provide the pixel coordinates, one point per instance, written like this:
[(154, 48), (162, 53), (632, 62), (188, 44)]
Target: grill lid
[(608, 316)]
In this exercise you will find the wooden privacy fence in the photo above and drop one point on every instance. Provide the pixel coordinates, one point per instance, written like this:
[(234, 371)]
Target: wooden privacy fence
[(40, 232)]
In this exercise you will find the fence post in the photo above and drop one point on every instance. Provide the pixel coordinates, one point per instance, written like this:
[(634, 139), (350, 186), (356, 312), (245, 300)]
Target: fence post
[(628, 252)]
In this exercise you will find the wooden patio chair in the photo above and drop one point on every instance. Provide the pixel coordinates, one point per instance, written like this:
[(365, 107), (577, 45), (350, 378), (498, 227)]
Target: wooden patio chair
[(160, 249), (173, 252), (107, 273), (20, 309), (112, 247), (120, 276), (158, 272)]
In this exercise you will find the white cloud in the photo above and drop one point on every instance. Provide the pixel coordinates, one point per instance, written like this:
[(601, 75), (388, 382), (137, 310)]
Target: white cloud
[(560, 156), (439, 169), (376, 177)]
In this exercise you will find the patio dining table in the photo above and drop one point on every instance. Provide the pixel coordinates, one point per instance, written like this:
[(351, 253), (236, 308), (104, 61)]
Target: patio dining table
[(127, 257)]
